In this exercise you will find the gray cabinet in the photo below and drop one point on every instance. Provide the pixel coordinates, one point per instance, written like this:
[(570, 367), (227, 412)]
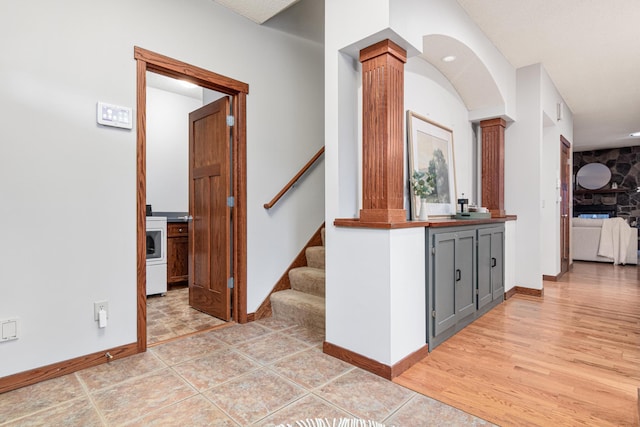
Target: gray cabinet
[(490, 267), (453, 278), (465, 277)]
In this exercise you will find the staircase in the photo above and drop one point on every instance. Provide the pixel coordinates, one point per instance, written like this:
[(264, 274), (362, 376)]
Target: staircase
[(303, 304)]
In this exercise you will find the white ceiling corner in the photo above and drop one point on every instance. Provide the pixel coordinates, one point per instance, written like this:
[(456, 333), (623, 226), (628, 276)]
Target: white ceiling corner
[(258, 11)]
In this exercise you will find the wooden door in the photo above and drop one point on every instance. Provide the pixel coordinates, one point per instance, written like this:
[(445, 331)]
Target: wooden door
[(565, 226), (210, 230)]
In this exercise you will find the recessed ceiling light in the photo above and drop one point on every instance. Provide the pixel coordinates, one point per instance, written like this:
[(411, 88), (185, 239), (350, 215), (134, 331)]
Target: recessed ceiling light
[(449, 58), (635, 134)]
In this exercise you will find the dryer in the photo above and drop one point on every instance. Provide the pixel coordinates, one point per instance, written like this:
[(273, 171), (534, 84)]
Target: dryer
[(156, 255)]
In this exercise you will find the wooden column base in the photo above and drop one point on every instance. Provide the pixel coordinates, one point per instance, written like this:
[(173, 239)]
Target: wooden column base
[(383, 215), (498, 213)]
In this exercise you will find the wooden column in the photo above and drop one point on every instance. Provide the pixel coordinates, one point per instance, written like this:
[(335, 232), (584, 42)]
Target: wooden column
[(382, 124), (493, 166)]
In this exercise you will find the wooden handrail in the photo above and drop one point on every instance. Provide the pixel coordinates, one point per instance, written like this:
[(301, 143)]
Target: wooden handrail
[(294, 179)]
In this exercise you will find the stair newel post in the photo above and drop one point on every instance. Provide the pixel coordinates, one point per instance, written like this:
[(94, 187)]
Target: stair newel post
[(382, 122)]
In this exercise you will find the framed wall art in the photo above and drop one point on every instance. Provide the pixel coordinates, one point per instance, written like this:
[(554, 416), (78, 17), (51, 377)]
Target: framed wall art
[(430, 147)]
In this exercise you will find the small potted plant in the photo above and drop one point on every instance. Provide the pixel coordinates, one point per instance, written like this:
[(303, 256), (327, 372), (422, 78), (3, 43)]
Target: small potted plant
[(422, 185)]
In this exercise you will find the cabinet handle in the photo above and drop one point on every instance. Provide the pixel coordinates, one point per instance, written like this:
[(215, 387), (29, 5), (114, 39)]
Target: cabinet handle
[(494, 262), (179, 230), (458, 274)]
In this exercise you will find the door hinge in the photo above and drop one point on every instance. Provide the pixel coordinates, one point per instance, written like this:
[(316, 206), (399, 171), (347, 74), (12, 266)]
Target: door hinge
[(477, 292), (231, 121), (231, 201), (433, 314), (230, 283)]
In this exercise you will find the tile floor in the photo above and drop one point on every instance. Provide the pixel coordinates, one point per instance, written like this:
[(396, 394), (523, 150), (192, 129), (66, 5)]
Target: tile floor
[(262, 373), (170, 316)]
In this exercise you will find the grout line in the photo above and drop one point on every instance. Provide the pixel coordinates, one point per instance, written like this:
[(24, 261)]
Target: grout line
[(85, 388)]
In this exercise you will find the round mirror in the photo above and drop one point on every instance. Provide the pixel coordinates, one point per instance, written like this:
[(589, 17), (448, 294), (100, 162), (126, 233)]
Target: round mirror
[(593, 176)]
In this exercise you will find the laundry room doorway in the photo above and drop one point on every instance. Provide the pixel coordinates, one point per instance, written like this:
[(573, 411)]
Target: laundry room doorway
[(216, 221)]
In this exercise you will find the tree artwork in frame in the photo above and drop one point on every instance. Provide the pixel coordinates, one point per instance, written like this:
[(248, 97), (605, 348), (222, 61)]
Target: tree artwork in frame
[(430, 147)]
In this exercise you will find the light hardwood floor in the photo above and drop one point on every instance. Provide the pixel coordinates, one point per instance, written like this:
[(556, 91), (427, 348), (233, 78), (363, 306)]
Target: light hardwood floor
[(569, 358)]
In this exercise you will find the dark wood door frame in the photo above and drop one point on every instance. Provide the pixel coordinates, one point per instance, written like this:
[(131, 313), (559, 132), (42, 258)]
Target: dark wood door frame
[(565, 207), (154, 62)]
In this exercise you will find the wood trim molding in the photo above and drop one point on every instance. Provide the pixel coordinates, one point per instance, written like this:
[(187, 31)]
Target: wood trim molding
[(380, 369), (493, 166), (59, 369), (177, 69), (382, 130), (407, 362), (264, 310), (141, 197), (551, 278), (150, 61), (528, 291), (239, 168), (511, 292), (523, 291)]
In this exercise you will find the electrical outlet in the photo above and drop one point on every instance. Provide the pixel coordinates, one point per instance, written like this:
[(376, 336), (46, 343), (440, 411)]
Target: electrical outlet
[(100, 305)]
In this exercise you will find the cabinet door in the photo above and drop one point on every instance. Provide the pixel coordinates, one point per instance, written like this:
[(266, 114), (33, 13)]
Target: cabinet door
[(497, 262), (444, 288), (465, 274), (485, 290)]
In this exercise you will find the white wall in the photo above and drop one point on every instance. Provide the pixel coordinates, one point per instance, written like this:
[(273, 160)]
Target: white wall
[(372, 273), (413, 19), (428, 93), (68, 186), (523, 153), (550, 171), (532, 167), (168, 149)]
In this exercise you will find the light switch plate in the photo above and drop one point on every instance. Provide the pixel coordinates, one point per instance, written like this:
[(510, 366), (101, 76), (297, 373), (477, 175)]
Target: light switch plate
[(8, 329), (114, 115)]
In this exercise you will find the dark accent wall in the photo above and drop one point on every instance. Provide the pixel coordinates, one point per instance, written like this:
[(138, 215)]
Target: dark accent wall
[(624, 164)]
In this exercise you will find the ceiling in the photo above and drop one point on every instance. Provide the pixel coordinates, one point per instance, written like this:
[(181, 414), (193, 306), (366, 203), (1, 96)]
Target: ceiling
[(590, 48)]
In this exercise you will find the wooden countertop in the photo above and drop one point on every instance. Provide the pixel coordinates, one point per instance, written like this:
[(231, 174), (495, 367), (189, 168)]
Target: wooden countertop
[(436, 222)]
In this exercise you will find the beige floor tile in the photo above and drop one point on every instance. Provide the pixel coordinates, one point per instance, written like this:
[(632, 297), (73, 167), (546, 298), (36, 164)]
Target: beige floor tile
[(141, 395), (274, 324), (309, 407), (310, 336), (112, 373), (424, 411), (27, 400), (365, 395), (188, 348), (252, 397), (193, 412), (272, 347), (77, 412), (237, 334), (311, 368), (171, 316), (216, 368)]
